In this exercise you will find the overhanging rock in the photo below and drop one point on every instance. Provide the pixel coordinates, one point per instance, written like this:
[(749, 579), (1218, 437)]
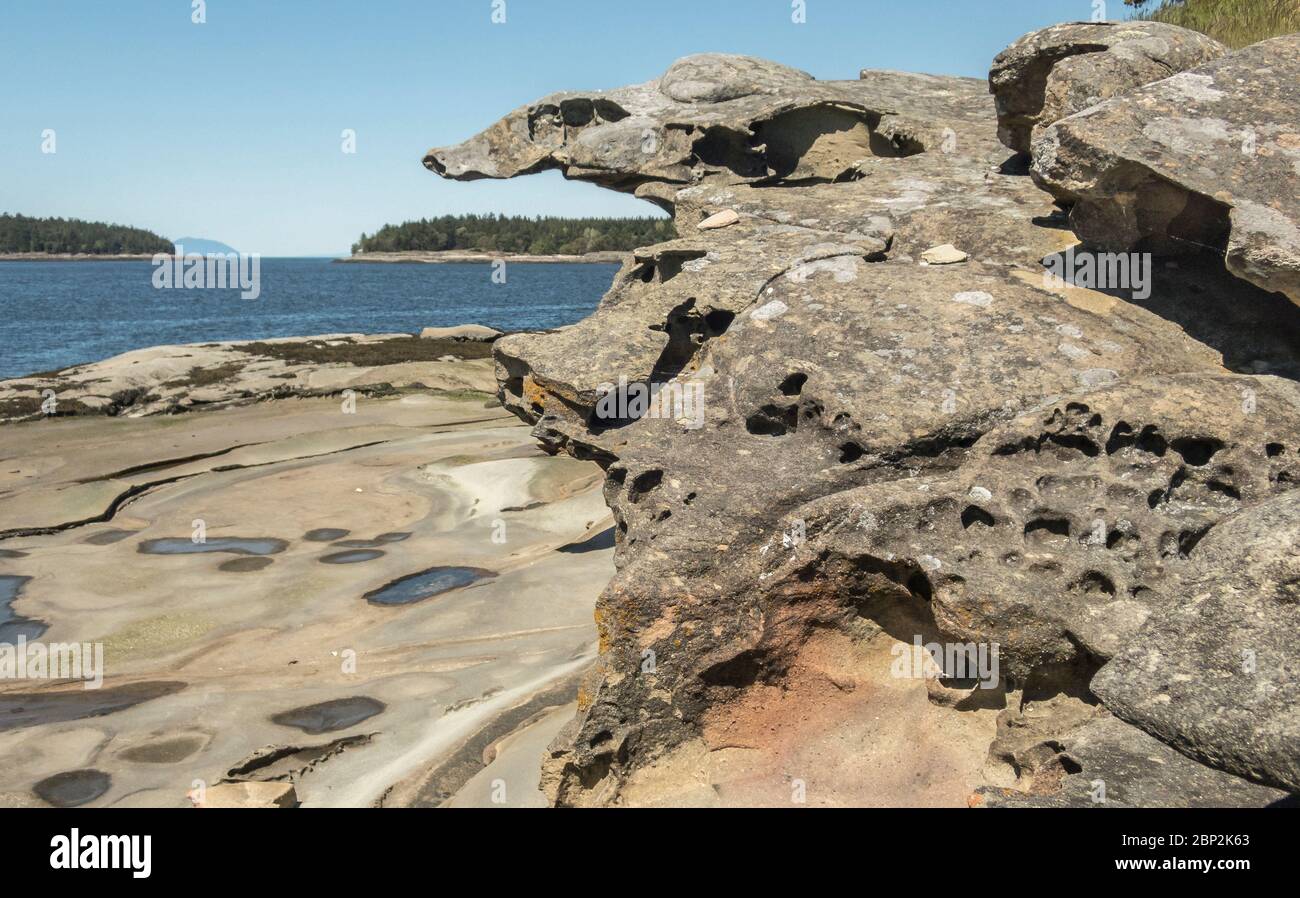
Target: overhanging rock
[(1206, 160)]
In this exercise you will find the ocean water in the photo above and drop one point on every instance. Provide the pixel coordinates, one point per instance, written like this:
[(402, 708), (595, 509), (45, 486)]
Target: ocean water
[(56, 314)]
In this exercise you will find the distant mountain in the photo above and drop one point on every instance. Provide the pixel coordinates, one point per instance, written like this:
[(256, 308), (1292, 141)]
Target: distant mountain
[(203, 246)]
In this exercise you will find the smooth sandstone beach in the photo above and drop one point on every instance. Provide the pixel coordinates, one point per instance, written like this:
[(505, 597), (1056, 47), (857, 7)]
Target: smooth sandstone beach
[(271, 651)]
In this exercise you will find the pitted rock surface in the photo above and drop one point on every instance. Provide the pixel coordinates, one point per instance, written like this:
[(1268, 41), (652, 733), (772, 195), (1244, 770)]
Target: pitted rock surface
[(1214, 674), (1126, 768), (732, 119), (974, 450)]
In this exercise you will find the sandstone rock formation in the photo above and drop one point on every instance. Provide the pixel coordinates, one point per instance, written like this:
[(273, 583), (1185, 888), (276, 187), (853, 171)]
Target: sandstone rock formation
[(852, 449), (1214, 674), (1058, 71), (172, 379), (1206, 159), (461, 333), (246, 795), (745, 119)]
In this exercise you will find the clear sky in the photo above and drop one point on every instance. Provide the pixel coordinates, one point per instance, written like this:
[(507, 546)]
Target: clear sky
[(231, 130)]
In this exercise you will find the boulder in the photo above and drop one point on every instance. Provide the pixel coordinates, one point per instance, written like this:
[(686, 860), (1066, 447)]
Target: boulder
[(1214, 674), (1207, 160), (1058, 71)]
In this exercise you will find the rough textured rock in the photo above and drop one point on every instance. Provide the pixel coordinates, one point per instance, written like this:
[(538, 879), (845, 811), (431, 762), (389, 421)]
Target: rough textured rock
[(172, 379), (1058, 71), (1108, 764), (473, 333), (247, 795), (1058, 533), (712, 117), (865, 444), (1215, 673), (1206, 159)]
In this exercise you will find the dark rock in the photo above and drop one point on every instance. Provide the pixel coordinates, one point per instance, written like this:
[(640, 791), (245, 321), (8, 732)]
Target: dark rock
[(328, 716), (73, 788)]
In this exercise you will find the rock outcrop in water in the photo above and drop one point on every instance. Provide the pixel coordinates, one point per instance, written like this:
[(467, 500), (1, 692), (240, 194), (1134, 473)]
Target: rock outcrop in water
[(174, 379), (869, 450)]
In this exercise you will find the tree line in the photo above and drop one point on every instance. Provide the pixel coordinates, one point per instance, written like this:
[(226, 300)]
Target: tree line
[(22, 234), (517, 234)]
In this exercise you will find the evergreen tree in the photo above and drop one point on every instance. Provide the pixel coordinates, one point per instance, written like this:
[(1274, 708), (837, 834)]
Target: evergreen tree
[(517, 234), (23, 234)]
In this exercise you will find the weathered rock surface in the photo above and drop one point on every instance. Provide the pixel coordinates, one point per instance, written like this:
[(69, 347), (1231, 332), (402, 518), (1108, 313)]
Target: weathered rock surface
[(170, 379), (247, 795), (1206, 159), (1108, 764), (711, 117), (461, 333), (1214, 674), (206, 654), (1058, 71), (864, 446)]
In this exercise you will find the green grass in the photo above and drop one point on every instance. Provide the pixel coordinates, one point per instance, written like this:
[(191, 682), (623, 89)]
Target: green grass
[(1236, 23)]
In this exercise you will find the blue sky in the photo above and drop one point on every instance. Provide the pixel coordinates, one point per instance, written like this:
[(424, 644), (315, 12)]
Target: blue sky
[(231, 129)]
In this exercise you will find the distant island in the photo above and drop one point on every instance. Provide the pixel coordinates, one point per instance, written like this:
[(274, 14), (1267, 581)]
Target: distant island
[(516, 235), (23, 235), (202, 246)]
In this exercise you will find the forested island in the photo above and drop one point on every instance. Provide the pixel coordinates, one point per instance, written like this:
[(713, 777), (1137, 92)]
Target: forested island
[(55, 236), (517, 234)]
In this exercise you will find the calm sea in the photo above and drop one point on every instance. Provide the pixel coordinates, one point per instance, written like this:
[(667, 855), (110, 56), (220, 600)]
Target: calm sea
[(56, 314)]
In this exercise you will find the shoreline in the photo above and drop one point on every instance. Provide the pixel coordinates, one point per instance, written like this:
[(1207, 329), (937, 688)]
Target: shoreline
[(76, 257), (173, 378), (443, 257), (349, 496)]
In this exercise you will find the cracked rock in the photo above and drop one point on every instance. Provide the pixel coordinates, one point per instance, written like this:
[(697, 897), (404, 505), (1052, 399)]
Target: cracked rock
[(1058, 71), (1206, 160), (1214, 675)]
